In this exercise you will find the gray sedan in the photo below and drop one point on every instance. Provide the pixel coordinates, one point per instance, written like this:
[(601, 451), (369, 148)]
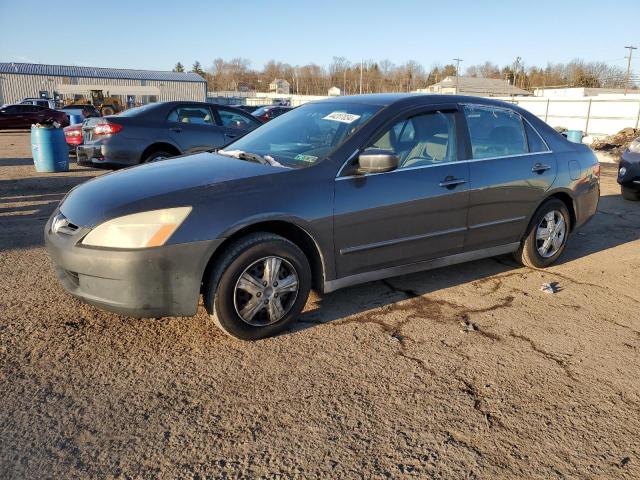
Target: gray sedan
[(332, 194), (160, 130)]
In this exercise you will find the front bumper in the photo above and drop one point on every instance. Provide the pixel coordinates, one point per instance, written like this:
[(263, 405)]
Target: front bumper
[(631, 162), (154, 282)]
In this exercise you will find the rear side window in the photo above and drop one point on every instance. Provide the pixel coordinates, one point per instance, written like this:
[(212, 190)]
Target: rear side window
[(536, 144), (192, 115), (231, 119), (495, 132)]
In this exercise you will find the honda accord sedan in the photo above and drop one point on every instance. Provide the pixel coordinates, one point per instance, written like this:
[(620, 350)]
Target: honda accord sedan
[(158, 131), (335, 193)]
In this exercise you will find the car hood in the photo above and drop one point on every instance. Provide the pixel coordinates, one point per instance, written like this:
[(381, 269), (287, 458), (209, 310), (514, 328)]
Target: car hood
[(169, 183)]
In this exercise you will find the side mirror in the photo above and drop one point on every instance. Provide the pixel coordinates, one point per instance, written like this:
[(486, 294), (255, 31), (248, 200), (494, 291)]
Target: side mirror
[(377, 161)]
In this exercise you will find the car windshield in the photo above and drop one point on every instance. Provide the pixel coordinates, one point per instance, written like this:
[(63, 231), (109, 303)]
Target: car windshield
[(306, 134)]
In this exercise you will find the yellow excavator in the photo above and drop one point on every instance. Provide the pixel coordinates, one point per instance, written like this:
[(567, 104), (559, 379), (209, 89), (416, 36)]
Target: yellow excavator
[(107, 105)]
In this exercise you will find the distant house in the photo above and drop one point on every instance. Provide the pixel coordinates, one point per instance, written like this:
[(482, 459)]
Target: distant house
[(279, 86), (334, 92), (474, 86)]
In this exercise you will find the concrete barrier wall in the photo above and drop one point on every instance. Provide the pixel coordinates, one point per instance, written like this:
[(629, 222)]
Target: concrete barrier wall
[(594, 116)]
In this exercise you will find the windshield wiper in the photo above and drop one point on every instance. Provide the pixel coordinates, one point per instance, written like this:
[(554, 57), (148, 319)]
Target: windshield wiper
[(253, 157)]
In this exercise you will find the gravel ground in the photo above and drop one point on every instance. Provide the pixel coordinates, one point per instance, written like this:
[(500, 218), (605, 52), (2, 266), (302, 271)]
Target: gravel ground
[(465, 372)]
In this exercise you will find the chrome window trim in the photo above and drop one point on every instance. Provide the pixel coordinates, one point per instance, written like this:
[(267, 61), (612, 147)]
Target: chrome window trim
[(472, 160)]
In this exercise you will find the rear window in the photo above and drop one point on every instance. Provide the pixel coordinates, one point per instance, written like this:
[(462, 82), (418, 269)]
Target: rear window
[(133, 112)]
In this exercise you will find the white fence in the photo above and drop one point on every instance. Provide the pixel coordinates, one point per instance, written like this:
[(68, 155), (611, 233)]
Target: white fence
[(594, 116)]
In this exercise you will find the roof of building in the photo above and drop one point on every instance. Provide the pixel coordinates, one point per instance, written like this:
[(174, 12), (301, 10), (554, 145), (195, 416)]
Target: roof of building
[(481, 86), (279, 80), (96, 72)]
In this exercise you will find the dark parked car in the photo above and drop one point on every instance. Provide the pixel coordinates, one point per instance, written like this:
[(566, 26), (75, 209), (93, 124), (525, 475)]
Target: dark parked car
[(160, 130), (335, 193), (23, 116), (629, 171), (270, 112)]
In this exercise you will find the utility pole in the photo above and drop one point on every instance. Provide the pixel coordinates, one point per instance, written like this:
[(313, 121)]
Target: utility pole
[(515, 70), (626, 83), (457, 60), (360, 76)]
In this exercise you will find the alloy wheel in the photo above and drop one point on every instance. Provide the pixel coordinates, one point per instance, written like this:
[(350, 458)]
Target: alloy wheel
[(265, 291), (551, 234)]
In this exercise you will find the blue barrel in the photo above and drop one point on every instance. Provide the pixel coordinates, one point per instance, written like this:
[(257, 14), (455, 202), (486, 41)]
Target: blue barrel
[(574, 136), (49, 149), (75, 119)]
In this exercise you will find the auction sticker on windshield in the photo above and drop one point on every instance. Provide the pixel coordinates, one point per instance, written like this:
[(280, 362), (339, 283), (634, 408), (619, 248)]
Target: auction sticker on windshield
[(342, 117)]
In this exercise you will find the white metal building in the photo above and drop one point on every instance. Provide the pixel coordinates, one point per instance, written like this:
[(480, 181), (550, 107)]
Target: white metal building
[(65, 83)]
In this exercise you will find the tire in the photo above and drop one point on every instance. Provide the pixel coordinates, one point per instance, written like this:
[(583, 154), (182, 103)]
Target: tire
[(157, 156), (629, 194), (107, 110), (528, 253), (225, 299)]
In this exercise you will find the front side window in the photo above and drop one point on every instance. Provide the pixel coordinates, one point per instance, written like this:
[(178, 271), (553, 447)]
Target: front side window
[(191, 115), (427, 139), (306, 134), (495, 132), (232, 119)]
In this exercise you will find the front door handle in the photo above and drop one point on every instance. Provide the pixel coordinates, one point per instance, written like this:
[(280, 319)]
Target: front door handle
[(540, 168), (231, 135), (451, 182), (175, 129)]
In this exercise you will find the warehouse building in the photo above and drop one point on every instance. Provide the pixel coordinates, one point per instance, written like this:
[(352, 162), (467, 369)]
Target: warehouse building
[(69, 83)]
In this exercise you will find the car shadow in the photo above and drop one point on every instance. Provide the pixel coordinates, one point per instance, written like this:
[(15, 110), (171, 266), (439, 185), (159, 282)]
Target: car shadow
[(27, 203)]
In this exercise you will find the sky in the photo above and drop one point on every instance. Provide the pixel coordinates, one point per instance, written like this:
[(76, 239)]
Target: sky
[(154, 35)]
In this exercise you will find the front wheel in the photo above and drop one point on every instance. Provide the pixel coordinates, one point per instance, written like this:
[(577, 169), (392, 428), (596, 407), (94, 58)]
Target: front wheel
[(547, 235), (258, 287), (629, 194)]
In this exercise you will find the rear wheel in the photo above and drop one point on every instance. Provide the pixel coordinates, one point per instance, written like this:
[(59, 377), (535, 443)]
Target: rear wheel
[(547, 235), (157, 156), (629, 194), (107, 110), (258, 287)]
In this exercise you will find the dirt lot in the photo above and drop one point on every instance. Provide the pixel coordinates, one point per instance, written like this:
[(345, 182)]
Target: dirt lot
[(380, 380)]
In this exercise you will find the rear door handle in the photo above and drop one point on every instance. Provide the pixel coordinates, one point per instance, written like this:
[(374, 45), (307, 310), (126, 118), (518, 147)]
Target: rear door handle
[(175, 129), (539, 168), (451, 182), (231, 135)]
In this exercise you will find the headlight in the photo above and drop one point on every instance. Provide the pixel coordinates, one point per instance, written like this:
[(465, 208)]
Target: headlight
[(622, 171), (635, 146), (140, 230)]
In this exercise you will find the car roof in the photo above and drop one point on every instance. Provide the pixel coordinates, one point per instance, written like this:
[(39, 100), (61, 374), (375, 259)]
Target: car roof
[(387, 99)]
